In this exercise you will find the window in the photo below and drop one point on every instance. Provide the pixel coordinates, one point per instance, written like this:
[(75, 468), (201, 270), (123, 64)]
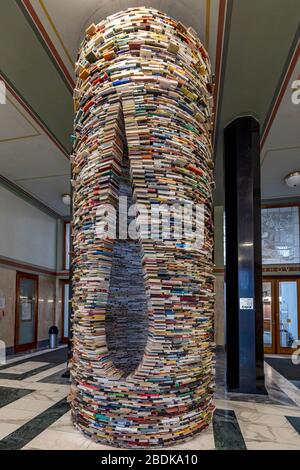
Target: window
[(65, 310), (67, 245), (280, 235)]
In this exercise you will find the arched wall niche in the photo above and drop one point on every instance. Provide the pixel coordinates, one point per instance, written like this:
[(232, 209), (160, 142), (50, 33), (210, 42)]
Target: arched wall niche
[(143, 352)]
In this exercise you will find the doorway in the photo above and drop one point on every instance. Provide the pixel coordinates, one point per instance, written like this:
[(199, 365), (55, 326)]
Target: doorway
[(281, 310), (26, 324)]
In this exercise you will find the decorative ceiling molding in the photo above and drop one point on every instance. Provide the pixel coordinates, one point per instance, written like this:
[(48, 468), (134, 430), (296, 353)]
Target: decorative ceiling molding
[(56, 32), (22, 137), (19, 191), (32, 113), (37, 23), (41, 33), (225, 8), (207, 23), (42, 178), (280, 149), (27, 136), (282, 87)]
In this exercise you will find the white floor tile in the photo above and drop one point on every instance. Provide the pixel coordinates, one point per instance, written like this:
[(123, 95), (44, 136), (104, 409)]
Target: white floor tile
[(25, 367), (51, 439), (6, 429), (31, 404)]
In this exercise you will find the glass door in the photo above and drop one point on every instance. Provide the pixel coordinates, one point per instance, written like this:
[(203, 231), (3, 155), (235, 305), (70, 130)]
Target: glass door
[(281, 311), (288, 315), (26, 312), (269, 317)]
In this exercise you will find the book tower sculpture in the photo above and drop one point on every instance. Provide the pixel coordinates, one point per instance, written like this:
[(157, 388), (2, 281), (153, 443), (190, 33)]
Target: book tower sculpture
[(143, 353)]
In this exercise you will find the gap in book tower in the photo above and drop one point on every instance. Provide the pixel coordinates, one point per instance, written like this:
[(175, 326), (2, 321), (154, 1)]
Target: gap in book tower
[(143, 352)]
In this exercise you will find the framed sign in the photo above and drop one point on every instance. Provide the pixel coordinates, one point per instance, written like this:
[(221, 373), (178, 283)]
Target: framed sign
[(246, 303)]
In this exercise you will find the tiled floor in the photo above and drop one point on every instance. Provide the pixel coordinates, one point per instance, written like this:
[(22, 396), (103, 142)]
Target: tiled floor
[(34, 413)]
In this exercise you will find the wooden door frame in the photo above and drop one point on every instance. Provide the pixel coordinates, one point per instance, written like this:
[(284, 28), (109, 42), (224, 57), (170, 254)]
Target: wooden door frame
[(280, 349), (272, 349), (63, 282), (33, 345), (276, 312)]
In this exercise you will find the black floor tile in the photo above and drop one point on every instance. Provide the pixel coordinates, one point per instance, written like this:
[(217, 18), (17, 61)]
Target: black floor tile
[(9, 395), (295, 422), (56, 379), (227, 431), (19, 438)]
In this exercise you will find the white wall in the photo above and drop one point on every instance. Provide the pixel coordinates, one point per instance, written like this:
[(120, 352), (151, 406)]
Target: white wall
[(26, 233)]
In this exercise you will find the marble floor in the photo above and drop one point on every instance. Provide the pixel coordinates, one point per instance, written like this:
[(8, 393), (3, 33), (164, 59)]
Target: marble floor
[(34, 413)]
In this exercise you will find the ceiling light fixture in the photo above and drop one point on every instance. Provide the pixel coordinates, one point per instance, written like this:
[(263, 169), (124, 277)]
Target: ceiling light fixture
[(293, 179), (66, 199)]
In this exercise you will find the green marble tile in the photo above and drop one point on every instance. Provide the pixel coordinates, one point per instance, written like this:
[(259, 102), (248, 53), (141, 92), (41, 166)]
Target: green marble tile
[(227, 431), (26, 433), (9, 395)]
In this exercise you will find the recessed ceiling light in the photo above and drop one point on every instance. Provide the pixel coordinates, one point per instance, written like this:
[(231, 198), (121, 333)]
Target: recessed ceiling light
[(293, 179)]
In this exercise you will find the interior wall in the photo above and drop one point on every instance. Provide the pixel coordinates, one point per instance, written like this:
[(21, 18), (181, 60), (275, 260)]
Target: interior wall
[(60, 246), (27, 234), (46, 310), (7, 314)]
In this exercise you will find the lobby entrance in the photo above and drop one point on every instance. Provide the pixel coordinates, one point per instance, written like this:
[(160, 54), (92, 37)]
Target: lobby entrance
[(281, 308)]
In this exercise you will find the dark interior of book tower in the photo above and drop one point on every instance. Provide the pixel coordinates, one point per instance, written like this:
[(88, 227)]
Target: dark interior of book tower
[(126, 314)]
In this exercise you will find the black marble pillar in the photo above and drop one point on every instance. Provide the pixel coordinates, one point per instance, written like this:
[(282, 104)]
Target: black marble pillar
[(244, 310)]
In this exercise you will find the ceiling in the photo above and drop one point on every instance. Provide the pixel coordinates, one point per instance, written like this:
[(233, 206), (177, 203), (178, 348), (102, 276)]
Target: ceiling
[(259, 63), (252, 47), (280, 153)]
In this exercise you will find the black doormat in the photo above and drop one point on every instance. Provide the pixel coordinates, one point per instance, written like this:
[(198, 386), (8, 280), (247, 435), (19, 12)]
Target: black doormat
[(286, 368)]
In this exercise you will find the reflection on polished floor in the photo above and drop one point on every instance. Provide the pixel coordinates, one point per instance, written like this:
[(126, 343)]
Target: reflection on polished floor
[(34, 413)]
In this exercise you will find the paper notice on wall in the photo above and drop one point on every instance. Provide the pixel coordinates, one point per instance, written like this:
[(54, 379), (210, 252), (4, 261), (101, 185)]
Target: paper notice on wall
[(26, 311), (246, 303), (2, 303)]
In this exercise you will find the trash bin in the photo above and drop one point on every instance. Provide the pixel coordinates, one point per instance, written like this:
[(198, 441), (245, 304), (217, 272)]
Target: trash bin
[(53, 337)]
